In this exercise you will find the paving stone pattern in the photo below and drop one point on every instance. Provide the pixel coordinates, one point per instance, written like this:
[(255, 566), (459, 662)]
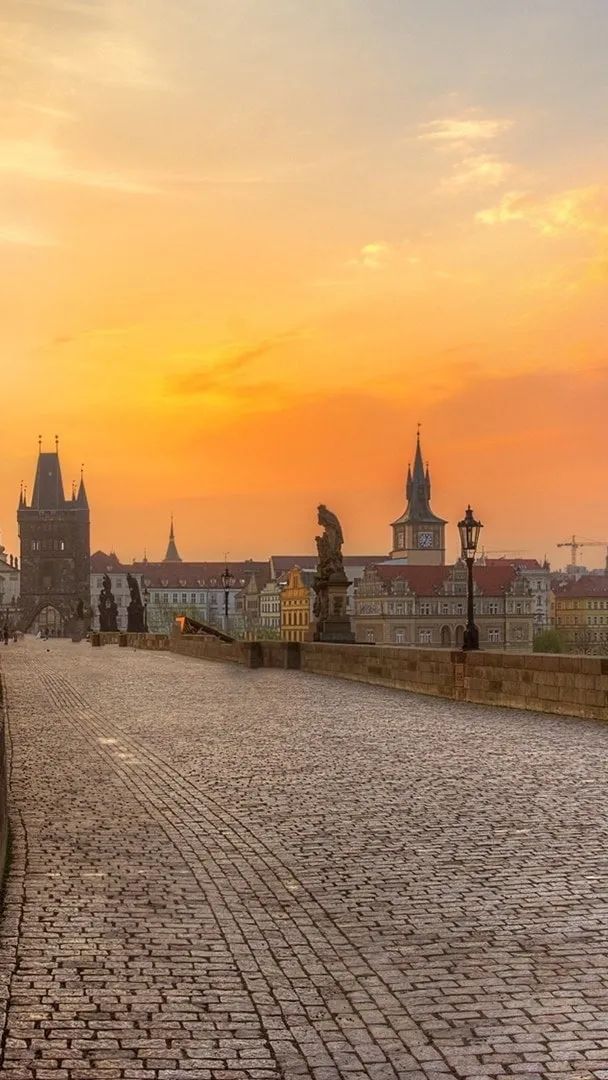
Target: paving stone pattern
[(228, 874)]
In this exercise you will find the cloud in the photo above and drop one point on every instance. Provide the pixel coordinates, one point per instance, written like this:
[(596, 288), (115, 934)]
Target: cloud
[(372, 256), (222, 365), (42, 161), (379, 255), (462, 131), (582, 209), (478, 170), (22, 236)]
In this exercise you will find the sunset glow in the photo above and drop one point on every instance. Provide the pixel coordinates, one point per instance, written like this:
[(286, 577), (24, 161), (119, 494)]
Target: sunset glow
[(246, 245)]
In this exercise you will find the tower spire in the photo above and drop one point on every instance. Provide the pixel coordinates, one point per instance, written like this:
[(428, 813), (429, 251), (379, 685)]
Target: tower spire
[(172, 554)]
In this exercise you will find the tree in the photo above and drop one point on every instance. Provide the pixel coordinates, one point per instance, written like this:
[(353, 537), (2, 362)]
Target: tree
[(548, 641)]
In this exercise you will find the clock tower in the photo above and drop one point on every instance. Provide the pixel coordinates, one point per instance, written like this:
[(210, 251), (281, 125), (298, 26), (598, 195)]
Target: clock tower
[(419, 535)]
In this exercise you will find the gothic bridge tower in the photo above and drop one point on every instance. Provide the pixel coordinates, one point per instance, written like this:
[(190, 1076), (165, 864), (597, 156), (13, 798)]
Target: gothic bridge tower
[(55, 550), (419, 535)]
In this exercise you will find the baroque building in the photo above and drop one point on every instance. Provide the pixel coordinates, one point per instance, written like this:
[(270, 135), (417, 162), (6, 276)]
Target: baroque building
[(418, 535), (55, 552), (581, 614), (427, 606)]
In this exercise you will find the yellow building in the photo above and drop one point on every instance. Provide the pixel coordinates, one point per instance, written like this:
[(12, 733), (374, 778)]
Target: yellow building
[(581, 614), (295, 607)]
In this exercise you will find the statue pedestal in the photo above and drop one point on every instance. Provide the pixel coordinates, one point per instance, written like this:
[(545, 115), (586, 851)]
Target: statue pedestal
[(335, 626)]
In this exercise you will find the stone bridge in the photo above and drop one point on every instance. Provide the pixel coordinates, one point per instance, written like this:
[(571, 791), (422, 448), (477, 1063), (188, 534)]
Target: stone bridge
[(229, 874)]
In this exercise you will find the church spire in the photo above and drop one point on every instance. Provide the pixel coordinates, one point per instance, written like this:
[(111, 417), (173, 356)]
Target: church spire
[(172, 554)]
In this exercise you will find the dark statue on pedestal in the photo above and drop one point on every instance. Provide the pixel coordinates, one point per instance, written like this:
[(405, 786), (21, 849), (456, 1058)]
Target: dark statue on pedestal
[(108, 609), (332, 623), (135, 611)]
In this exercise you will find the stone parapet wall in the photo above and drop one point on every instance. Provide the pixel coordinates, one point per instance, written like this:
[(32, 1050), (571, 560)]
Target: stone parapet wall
[(571, 685), (424, 671)]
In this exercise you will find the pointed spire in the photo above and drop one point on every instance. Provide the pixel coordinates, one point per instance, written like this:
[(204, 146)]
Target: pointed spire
[(172, 554), (408, 483), (81, 498), (21, 496), (428, 482)]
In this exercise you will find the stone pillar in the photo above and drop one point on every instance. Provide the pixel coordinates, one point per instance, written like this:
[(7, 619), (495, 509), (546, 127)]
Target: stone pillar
[(335, 625)]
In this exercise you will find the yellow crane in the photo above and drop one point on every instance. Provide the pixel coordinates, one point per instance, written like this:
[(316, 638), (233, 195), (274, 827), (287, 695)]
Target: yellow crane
[(575, 544)]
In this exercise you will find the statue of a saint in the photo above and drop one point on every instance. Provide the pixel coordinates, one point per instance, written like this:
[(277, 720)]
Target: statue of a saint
[(135, 610), (108, 609)]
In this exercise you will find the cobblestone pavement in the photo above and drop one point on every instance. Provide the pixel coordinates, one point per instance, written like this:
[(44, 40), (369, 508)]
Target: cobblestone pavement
[(222, 874)]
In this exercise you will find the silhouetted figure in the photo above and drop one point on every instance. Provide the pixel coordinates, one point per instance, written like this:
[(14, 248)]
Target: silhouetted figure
[(5, 635)]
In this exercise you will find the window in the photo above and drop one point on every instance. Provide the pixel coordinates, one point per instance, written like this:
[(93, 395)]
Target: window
[(175, 598), (444, 609), (493, 635), (193, 598), (424, 637), (425, 608), (370, 637), (400, 609), (184, 597), (399, 637), (459, 609), (492, 607)]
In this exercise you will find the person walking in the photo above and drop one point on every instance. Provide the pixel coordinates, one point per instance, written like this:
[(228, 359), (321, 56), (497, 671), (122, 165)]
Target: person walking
[(5, 634)]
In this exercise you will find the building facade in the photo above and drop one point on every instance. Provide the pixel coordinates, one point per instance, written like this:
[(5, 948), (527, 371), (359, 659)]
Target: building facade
[(270, 609), (581, 614), (55, 552), (418, 535), (9, 589), (295, 607), (537, 577), (420, 606)]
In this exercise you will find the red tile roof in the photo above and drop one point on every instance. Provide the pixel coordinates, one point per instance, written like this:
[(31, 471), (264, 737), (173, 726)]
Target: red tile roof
[(428, 580), (589, 585), (194, 575), (102, 563), (519, 564)]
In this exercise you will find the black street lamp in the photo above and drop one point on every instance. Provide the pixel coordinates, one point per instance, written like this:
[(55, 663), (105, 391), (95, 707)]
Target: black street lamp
[(228, 580), (469, 530), (146, 598)]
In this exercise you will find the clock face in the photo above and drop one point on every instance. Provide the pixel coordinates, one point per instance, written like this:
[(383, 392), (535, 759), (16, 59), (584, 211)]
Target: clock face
[(425, 539)]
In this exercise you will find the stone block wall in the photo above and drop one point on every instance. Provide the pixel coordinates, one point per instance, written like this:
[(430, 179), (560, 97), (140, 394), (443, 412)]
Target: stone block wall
[(567, 684), (424, 671)]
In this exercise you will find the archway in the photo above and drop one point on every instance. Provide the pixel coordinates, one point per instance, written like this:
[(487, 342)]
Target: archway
[(446, 637), (49, 621), (459, 637)]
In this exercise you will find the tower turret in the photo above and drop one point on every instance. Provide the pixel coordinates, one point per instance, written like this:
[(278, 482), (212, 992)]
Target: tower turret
[(419, 535)]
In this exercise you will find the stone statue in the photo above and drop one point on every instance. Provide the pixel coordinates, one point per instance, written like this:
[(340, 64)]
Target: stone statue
[(108, 609), (331, 584), (135, 611)]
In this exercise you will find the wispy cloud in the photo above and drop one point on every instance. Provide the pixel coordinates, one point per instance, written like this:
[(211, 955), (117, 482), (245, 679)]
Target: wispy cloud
[(221, 364), (379, 255), (582, 209), (42, 161), (478, 171), (462, 138), (464, 130), (22, 236)]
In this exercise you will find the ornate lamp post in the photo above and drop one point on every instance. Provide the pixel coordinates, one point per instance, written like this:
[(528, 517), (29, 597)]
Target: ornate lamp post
[(146, 598), (228, 580), (469, 530)]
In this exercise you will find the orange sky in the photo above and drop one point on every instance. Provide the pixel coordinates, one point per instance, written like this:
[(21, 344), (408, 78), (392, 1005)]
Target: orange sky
[(246, 245)]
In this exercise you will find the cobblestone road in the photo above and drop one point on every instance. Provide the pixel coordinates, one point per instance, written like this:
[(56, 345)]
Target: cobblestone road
[(232, 874)]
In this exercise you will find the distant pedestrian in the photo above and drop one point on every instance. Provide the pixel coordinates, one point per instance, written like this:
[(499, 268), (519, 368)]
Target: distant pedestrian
[(5, 635)]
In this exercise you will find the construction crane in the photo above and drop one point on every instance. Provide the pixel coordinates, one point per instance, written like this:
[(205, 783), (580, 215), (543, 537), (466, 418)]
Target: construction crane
[(575, 544)]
